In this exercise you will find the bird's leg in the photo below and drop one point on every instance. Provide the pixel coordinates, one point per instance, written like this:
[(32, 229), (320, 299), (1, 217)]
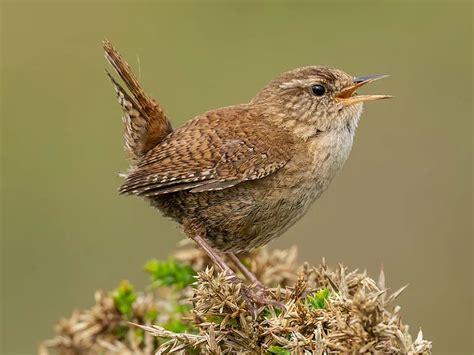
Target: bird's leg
[(245, 271), (213, 255), (195, 233), (250, 296)]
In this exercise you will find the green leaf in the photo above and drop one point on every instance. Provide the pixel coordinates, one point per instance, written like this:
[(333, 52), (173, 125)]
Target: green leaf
[(183, 308), (274, 349), (120, 331), (269, 315), (176, 326), (151, 315), (124, 296), (319, 299), (219, 319), (215, 319), (140, 334), (247, 262), (170, 273)]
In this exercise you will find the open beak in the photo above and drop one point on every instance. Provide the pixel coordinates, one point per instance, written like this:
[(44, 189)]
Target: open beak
[(348, 96)]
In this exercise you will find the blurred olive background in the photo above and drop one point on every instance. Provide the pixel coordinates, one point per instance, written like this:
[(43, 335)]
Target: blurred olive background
[(403, 200)]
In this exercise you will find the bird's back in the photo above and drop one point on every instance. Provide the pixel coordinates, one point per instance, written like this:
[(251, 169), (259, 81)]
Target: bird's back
[(214, 151)]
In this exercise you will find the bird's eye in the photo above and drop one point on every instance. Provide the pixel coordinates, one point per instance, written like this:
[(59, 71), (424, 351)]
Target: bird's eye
[(318, 90)]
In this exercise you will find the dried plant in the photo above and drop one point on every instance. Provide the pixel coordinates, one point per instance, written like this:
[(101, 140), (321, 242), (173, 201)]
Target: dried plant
[(191, 308)]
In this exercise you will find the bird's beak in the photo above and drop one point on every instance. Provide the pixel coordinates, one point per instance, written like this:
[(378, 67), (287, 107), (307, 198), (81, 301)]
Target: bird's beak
[(348, 97)]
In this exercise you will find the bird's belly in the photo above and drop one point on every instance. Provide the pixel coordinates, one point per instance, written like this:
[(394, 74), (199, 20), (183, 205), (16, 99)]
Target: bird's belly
[(245, 216), (236, 219)]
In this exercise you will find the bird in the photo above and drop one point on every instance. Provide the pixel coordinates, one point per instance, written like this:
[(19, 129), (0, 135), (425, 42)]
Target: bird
[(238, 177)]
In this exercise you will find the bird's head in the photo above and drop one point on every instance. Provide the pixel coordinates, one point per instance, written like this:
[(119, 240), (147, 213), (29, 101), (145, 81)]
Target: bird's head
[(317, 98)]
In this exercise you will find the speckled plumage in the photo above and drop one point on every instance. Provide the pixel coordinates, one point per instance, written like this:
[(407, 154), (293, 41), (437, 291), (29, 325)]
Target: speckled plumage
[(144, 119), (244, 174)]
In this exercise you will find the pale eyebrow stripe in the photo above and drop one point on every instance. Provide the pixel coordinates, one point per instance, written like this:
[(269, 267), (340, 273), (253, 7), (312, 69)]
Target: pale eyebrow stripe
[(293, 83)]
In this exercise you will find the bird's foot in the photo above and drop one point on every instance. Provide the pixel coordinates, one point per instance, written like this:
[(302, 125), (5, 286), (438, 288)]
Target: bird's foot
[(258, 295)]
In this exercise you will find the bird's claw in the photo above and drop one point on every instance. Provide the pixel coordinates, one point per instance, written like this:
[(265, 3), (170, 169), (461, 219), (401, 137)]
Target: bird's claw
[(259, 296)]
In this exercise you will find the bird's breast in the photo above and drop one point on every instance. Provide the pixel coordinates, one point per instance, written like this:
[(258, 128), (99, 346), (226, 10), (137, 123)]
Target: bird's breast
[(316, 164), (328, 153)]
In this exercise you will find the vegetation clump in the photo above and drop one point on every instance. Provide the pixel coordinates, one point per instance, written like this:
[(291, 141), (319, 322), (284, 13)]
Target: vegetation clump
[(191, 308)]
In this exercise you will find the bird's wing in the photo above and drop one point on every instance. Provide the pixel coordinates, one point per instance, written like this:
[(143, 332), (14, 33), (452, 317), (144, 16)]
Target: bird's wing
[(145, 122), (212, 152)]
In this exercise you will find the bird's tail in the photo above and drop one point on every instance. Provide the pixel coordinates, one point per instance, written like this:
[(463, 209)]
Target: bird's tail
[(146, 124)]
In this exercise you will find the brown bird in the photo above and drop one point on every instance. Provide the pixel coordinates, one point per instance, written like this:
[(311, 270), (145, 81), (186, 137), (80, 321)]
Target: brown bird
[(239, 176)]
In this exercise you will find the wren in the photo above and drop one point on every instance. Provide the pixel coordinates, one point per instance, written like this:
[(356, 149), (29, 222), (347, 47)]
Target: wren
[(239, 176)]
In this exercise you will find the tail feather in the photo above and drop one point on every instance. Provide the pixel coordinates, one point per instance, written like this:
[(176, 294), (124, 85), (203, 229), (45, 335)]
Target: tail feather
[(146, 124)]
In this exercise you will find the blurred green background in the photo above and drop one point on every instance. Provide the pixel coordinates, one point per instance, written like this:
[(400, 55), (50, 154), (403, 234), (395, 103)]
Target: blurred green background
[(403, 200)]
